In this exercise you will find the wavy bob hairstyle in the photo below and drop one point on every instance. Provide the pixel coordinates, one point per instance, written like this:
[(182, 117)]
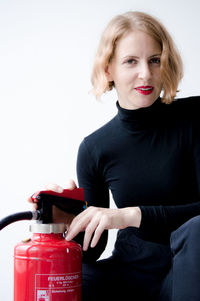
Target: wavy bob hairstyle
[(171, 63)]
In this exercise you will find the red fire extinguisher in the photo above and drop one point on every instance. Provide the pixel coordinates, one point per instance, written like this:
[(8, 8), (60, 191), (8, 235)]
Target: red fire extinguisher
[(47, 267)]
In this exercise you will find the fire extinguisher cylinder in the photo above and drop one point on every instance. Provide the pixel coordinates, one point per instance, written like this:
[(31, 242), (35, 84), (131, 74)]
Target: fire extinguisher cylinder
[(47, 267)]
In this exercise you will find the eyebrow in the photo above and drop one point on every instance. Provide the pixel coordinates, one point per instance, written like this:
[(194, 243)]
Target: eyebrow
[(137, 57)]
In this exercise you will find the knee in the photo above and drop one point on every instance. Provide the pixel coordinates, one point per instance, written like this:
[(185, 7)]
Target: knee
[(193, 226), (187, 234)]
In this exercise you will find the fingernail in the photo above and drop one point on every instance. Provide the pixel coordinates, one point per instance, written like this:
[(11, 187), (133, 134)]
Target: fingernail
[(67, 237), (84, 248)]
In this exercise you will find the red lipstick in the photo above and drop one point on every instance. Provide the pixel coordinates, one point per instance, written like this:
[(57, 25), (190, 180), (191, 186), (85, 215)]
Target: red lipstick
[(144, 90)]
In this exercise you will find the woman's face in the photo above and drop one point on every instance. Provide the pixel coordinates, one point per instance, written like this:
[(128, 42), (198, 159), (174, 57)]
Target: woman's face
[(135, 70)]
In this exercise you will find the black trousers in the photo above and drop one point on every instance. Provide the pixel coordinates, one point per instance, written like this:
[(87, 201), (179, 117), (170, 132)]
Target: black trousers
[(144, 270)]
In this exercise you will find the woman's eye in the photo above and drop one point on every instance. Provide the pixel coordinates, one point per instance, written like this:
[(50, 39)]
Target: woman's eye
[(130, 61), (155, 60)]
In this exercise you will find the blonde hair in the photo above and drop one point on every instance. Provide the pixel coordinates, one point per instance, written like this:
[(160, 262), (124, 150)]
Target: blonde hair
[(171, 64)]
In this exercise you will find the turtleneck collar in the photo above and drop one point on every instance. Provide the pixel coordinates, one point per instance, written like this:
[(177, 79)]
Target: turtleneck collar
[(140, 119)]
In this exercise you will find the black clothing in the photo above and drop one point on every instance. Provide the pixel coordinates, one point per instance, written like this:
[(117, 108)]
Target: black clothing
[(149, 158), (155, 272), (182, 281)]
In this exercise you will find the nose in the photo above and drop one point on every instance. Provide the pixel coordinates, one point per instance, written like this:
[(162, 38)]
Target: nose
[(144, 71)]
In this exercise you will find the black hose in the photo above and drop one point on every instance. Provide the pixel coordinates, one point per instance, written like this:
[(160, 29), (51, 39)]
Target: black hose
[(26, 215)]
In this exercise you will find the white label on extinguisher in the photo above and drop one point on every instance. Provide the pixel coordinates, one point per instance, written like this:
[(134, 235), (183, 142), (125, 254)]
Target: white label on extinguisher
[(56, 287), (42, 295)]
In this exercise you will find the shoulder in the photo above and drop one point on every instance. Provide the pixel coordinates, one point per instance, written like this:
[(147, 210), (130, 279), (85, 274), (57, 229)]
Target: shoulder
[(102, 134), (97, 141), (187, 107), (190, 101)]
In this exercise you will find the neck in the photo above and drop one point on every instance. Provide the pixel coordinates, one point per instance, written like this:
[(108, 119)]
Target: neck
[(131, 106), (141, 119)]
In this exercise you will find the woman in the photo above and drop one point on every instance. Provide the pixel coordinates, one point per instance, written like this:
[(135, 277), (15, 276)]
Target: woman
[(148, 156)]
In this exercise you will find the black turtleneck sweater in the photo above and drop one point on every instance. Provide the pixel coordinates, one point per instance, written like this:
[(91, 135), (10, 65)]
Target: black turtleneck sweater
[(149, 158)]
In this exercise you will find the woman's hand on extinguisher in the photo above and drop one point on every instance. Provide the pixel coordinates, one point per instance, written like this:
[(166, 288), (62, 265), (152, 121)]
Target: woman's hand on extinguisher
[(59, 216), (95, 220)]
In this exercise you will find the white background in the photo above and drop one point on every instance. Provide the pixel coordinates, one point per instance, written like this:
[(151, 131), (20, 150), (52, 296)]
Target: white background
[(46, 55)]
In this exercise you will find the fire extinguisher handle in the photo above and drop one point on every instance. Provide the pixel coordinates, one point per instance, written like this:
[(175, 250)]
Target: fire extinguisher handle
[(70, 201)]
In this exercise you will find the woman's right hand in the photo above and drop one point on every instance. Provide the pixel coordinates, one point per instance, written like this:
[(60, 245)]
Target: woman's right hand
[(59, 216)]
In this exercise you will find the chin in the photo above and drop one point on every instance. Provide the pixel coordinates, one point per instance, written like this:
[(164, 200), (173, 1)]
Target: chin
[(144, 103), (137, 101)]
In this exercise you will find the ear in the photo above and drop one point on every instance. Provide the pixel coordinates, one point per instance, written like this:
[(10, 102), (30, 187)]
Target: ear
[(108, 73)]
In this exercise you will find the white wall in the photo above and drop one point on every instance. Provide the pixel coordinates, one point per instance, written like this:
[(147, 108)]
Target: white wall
[(46, 54)]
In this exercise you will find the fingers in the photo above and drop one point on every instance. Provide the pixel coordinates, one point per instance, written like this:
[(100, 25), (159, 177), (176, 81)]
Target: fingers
[(30, 200), (78, 224), (57, 188), (92, 221), (71, 184), (90, 229), (54, 187), (96, 227), (98, 232)]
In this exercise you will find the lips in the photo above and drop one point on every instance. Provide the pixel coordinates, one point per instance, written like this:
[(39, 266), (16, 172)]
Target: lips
[(144, 90)]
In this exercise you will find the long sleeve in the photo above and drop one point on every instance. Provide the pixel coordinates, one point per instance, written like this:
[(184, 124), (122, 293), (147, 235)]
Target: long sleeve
[(96, 194), (169, 218)]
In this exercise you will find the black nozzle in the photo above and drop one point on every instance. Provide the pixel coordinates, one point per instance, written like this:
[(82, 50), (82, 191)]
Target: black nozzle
[(25, 215)]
